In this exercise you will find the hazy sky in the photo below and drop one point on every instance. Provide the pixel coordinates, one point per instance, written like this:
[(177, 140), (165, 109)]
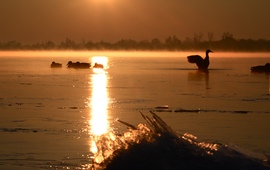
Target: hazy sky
[(111, 20)]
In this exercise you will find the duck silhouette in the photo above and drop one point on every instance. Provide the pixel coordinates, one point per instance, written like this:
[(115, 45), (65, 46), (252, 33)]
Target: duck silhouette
[(200, 62), (55, 65), (78, 64), (97, 65), (261, 68)]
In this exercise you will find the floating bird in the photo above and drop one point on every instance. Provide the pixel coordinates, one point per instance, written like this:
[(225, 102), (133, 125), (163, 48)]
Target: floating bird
[(70, 64), (55, 65), (200, 62), (261, 68), (97, 65)]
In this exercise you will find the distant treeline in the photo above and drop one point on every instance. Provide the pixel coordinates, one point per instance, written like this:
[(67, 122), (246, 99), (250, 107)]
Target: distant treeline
[(172, 43)]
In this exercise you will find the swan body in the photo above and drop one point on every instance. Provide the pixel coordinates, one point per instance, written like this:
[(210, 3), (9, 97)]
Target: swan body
[(200, 62)]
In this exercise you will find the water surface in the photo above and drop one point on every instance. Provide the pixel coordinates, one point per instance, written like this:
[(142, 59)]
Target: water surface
[(48, 116)]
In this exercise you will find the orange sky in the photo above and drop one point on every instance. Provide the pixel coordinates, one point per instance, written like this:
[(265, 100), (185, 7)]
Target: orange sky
[(111, 20)]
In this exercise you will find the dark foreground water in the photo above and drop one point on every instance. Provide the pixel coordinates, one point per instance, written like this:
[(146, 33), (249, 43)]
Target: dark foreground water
[(50, 117)]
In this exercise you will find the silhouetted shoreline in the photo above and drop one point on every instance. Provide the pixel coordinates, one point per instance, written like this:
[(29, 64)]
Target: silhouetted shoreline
[(172, 43)]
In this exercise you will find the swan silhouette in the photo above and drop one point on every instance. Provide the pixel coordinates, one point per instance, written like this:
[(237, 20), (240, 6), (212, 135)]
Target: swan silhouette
[(200, 62)]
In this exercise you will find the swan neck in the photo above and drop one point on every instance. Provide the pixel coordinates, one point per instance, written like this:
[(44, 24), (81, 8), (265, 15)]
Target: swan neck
[(207, 56)]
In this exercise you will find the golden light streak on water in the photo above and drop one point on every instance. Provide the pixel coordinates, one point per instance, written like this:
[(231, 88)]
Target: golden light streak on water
[(99, 102)]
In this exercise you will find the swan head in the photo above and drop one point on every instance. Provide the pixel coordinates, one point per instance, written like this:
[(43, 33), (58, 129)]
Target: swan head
[(209, 51)]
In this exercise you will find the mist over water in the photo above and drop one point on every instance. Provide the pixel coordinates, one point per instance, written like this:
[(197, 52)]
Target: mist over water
[(49, 116)]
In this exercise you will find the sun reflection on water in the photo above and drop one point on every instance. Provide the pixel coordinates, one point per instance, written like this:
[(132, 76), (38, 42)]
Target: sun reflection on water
[(98, 121), (99, 104)]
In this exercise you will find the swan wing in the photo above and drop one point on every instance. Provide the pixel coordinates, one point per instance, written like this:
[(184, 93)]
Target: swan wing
[(194, 58)]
